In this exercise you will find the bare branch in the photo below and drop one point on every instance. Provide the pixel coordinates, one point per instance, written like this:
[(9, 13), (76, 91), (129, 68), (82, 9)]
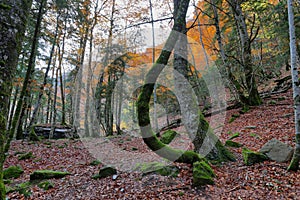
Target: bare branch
[(149, 22)]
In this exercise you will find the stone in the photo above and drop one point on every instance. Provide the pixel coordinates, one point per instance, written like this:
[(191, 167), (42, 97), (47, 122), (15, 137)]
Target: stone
[(47, 174), (235, 135), (252, 157), (12, 172), (46, 185), (250, 127), (277, 150), (25, 156), (157, 168), (202, 174), (105, 172), (231, 143)]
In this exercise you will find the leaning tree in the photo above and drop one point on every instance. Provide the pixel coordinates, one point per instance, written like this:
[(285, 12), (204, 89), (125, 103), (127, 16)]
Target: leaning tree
[(218, 151)]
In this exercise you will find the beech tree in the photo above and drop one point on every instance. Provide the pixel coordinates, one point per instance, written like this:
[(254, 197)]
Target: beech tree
[(294, 165), (148, 135), (13, 18)]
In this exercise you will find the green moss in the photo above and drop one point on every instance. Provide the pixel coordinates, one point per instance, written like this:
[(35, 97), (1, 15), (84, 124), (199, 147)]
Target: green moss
[(46, 185), (235, 135), (231, 143), (189, 157), (7, 181), (158, 168), (134, 149), (181, 193), (12, 172), (95, 162), (5, 6), (105, 172), (254, 135), (8, 189), (19, 152), (252, 157), (33, 136), (272, 102), (22, 188), (47, 174), (245, 109), (202, 174), (25, 156), (233, 117), (3, 189), (168, 136)]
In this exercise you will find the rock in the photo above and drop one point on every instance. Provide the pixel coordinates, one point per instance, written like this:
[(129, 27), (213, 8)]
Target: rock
[(105, 172), (25, 156), (250, 127), (46, 185), (235, 135), (252, 157), (202, 174), (231, 143), (114, 177), (12, 172), (158, 168), (277, 150), (168, 136), (95, 162), (47, 174)]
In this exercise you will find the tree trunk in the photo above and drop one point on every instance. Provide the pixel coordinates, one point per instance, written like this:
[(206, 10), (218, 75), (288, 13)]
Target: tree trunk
[(13, 17), (294, 165), (205, 141), (60, 57), (78, 86), (24, 92), (253, 97), (147, 89), (41, 90), (54, 110)]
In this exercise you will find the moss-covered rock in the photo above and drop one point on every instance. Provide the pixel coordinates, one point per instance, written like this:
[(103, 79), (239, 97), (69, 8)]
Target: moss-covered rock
[(8, 189), (25, 156), (252, 157), (105, 172), (231, 143), (47, 174), (158, 168), (168, 136), (95, 163), (202, 174), (46, 185), (24, 188), (7, 181), (12, 172), (235, 135)]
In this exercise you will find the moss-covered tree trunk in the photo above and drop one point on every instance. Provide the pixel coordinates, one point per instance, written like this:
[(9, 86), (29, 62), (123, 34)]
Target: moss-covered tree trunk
[(148, 135), (253, 97), (144, 98), (24, 96), (13, 17), (294, 165)]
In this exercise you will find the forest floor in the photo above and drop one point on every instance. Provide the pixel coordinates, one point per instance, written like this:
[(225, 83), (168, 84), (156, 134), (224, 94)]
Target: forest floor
[(235, 180)]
